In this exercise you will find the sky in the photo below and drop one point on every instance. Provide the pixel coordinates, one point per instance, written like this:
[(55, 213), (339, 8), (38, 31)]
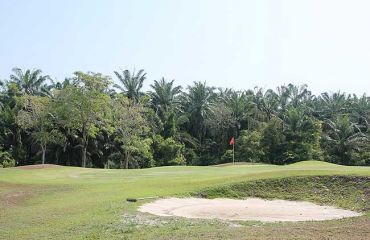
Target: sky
[(237, 44)]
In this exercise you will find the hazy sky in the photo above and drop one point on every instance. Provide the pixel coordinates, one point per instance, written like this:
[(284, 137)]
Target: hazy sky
[(228, 43)]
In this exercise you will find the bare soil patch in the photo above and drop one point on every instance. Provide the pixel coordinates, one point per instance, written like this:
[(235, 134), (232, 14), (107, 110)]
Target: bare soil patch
[(251, 209), (38, 166), (233, 164), (14, 198), (13, 194)]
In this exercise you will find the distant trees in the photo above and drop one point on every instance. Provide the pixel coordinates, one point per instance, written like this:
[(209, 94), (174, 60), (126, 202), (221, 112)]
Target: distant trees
[(84, 121)]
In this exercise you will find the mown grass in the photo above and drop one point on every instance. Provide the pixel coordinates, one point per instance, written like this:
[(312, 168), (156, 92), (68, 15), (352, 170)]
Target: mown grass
[(77, 203)]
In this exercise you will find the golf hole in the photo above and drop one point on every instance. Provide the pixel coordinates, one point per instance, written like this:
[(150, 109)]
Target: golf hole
[(251, 209)]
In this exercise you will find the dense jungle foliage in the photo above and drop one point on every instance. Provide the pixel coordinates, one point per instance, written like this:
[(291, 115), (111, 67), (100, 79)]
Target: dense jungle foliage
[(89, 121)]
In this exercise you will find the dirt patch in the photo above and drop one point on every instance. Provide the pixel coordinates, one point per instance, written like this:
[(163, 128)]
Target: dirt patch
[(38, 166), (252, 209), (14, 198), (17, 194), (233, 164), (13, 194)]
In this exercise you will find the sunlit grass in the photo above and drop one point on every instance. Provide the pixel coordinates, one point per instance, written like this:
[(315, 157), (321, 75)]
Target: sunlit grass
[(73, 203)]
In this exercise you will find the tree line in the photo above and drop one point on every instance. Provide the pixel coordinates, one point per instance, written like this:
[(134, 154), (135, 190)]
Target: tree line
[(87, 120)]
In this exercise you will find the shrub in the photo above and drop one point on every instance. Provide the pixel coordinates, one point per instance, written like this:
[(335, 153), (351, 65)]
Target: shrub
[(6, 159), (227, 157), (249, 146), (168, 151)]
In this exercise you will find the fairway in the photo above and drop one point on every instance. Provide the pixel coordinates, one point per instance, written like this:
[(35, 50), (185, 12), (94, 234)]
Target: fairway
[(77, 203)]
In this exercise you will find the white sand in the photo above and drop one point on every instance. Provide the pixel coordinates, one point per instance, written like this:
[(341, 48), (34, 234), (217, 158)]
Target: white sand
[(252, 209)]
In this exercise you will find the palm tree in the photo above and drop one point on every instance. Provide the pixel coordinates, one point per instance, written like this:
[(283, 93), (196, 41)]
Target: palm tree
[(302, 135), (164, 98), (269, 103), (361, 111), (198, 104), (173, 128), (294, 96), (330, 105), (241, 105), (294, 120), (131, 83), (29, 81), (344, 137), (237, 101)]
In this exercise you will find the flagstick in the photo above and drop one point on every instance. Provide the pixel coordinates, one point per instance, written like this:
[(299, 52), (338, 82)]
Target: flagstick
[(234, 153)]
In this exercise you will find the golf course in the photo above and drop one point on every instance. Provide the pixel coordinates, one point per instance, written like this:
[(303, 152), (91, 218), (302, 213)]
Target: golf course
[(55, 202), (185, 120)]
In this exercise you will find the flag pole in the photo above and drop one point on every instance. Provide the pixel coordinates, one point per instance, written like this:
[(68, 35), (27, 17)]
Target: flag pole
[(232, 142), (234, 153)]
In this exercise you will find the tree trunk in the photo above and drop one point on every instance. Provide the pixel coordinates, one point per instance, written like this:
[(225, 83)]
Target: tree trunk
[(84, 151), (57, 156), (126, 159), (43, 149), (85, 143), (122, 162)]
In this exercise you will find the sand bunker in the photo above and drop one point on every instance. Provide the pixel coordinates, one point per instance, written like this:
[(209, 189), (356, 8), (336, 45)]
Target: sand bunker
[(252, 209)]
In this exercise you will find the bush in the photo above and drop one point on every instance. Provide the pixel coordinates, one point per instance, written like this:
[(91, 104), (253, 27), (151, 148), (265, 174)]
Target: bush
[(227, 157), (114, 161), (191, 157), (249, 147), (168, 151), (361, 158), (142, 156), (179, 160), (6, 159)]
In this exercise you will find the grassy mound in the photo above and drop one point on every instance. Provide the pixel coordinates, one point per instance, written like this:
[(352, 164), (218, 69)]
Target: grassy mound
[(347, 192)]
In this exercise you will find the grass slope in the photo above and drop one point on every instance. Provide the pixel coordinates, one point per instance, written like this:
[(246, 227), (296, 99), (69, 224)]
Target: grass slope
[(77, 203), (347, 192)]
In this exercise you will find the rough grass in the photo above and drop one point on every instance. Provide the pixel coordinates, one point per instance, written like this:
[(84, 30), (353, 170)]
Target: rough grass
[(77, 203), (347, 192)]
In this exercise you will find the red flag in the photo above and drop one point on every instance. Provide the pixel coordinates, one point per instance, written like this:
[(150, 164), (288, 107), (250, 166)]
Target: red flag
[(232, 141)]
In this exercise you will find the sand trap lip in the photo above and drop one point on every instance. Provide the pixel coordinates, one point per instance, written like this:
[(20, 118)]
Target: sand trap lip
[(251, 209)]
